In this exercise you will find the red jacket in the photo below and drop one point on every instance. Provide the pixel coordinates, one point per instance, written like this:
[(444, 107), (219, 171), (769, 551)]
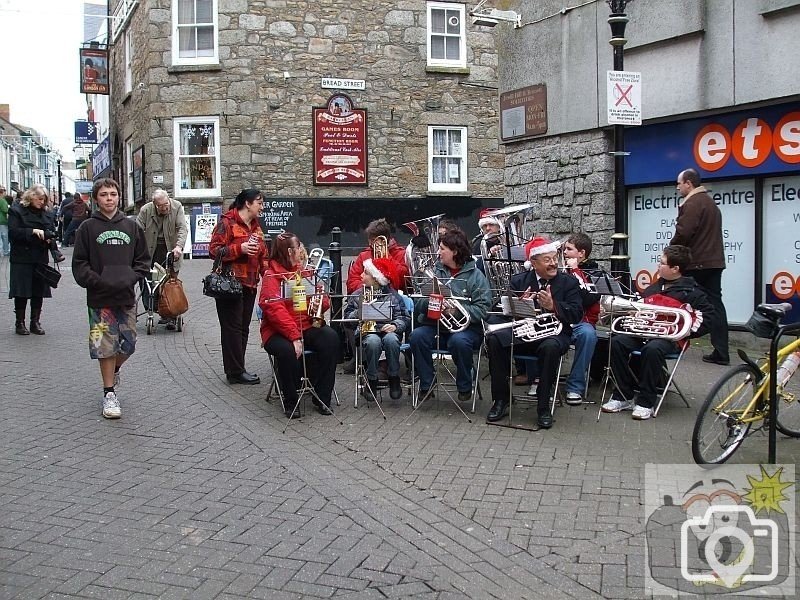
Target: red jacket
[(278, 315), (230, 233), (396, 251)]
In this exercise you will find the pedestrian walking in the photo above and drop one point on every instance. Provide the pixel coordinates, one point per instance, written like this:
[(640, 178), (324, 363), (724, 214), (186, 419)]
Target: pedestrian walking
[(5, 203), (80, 212), (110, 257), (699, 227)]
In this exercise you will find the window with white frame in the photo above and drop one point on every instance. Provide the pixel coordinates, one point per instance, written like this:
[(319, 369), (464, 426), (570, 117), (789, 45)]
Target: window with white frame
[(447, 44), (194, 32), (447, 159), (128, 62), (129, 172), (196, 151)]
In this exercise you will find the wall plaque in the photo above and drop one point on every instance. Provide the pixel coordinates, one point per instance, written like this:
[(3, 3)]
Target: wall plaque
[(340, 143), (523, 112)]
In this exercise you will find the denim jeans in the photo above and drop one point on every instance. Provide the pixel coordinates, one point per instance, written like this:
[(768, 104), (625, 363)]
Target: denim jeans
[(371, 347), (461, 346), (5, 247), (584, 337)]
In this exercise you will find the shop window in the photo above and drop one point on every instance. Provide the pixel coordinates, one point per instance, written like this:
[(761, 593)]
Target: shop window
[(447, 45), (197, 167), (447, 159), (195, 32)]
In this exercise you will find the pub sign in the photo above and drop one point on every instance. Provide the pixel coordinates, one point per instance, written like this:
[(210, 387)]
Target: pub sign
[(340, 143)]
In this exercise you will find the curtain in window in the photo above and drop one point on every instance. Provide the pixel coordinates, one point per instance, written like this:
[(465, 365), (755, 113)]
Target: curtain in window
[(198, 156)]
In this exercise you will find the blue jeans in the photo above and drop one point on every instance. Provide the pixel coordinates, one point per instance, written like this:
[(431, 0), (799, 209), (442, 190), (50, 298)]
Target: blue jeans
[(461, 346), (371, 347), (5, 247), (584, 338)]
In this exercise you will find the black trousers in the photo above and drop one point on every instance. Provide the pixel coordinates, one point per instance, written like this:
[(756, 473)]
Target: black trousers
[(234, 323), (548, 352), (711, 282), (321, 366), (652, 363)]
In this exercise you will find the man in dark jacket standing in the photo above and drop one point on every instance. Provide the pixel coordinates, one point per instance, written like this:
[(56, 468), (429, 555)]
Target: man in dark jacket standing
[(699, 227), (673, 290), (554, 292), (110, 257)]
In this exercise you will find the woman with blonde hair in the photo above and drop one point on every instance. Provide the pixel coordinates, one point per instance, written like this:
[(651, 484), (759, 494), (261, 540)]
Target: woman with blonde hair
[(32, 232)]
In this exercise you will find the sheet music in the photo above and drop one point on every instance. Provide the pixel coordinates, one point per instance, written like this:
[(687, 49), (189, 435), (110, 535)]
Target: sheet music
[(379, 311), (518, 307), (607, 285)]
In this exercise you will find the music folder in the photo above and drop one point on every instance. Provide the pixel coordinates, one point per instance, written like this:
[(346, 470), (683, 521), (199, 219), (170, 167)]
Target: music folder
[(518, 308), (607, 285), (379, 311)]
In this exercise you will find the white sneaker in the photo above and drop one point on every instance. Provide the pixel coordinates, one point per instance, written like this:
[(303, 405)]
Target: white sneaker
[(574, 398), (111, 407), (615, 405), (533, 389), (642, 413)]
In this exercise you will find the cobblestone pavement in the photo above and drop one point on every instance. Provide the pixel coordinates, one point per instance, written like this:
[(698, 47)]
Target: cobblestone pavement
[(197, 492)]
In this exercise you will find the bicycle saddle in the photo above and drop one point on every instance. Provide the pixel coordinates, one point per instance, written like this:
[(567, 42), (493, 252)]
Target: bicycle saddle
[(775, 311)]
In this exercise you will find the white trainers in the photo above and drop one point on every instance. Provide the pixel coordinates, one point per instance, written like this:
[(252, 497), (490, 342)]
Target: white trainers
[(615, 405), (111, 408), (642, 413), (533, 389), (574, 398)]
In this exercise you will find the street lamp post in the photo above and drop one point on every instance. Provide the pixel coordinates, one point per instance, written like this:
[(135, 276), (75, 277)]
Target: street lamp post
[(619, 254)]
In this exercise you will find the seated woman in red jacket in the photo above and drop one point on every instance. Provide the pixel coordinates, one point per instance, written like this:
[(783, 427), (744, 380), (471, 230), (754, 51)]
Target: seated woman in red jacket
[(286, 333)]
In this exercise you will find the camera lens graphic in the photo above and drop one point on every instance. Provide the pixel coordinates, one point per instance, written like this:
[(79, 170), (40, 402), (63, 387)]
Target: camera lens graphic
[(731, 571)]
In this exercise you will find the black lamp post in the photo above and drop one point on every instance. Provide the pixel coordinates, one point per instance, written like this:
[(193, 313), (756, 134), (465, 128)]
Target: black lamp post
[(619, 253)]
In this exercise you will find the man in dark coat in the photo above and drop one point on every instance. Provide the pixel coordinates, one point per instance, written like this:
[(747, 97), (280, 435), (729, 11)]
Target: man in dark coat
[(555, 292), (683, 291), (699, 227)]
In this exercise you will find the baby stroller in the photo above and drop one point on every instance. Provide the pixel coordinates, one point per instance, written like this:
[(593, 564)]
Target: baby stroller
[(149, 295)]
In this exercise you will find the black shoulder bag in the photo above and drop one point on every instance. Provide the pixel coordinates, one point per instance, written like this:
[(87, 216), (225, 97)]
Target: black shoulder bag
[(221, 284)]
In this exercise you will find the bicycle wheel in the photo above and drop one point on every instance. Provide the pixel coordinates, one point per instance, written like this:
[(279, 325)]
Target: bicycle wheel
[(788, 422), (719, 431)]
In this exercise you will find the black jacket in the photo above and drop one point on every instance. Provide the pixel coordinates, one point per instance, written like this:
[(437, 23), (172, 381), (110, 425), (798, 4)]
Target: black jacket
[(110, 257), (26, 247), (686, 291)]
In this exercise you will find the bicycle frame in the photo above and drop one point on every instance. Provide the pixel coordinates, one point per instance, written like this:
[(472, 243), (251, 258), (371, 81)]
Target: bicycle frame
[(749, 414)]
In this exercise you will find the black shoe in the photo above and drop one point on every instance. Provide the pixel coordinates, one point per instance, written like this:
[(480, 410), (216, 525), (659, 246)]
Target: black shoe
[(293, 414), (171, 326), (498, 411), (395, 390), (425, 394), (349, 368), (323, 408), (464, 396), (36, 328), (21, 329), (370, 391), (716, 359), (244, 378), (58, 257), (545, 421)]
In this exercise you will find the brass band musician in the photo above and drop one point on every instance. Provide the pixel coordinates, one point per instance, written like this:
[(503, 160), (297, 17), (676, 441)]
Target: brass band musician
[(675, 290), (286, 333), (555, 292)]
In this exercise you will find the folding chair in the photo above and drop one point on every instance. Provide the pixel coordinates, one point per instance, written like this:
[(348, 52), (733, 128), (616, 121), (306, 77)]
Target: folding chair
[(442, 364), (683, 345), (530, 358)]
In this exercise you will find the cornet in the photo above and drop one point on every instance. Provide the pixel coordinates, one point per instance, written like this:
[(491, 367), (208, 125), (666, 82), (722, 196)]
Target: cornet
[(645, 320), (369, 296), (315, 307)]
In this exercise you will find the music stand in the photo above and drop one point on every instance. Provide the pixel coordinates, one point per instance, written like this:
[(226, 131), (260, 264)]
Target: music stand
[(380, 312)]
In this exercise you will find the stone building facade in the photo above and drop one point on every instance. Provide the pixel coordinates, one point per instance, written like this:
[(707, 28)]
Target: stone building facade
[(249, 73)]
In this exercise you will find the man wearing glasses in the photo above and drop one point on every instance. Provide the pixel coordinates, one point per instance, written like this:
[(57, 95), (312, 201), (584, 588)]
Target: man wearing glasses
[(553, 292)]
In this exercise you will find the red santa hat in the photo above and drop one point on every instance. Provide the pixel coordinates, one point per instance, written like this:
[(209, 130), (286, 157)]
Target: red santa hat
[(538, 245), (383, 270), (485, 218)]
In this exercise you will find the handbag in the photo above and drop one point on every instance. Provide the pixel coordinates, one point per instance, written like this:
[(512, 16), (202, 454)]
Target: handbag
[(219, 284), (172, 301), (51, 275)]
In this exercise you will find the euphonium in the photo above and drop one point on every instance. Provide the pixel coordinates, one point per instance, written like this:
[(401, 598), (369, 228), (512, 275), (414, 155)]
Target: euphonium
[(315, 307), (457, 318), (380, 247), (531, 329), (645, 320), (369, 326)]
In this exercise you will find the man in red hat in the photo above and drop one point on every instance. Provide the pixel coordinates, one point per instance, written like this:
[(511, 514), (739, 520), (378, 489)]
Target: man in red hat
[(554, 292), (380, 279)]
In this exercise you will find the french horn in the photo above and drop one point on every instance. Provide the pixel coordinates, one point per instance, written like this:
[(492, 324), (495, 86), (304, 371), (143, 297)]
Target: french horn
[(641, 319)]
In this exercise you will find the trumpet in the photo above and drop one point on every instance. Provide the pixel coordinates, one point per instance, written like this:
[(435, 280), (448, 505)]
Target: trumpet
[(315, 307), (369, 326), (454, 316), (531, 329), (645, 320)]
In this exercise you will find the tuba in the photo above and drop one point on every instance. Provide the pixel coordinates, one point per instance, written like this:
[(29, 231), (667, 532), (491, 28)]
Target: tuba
[(419, 257), (459, 320), (515, 231), (369, 296), (641, 319)]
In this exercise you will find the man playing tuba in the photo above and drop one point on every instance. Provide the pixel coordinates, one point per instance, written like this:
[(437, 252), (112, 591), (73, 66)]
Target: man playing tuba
[(671, 290), (556, 293)]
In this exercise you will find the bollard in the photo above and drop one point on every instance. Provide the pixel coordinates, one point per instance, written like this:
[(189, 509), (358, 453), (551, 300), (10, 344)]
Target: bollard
[(620, 267), (335, 251)]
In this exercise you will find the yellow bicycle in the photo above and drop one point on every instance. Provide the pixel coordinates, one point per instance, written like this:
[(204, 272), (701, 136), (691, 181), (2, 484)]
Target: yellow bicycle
[(738, 404)]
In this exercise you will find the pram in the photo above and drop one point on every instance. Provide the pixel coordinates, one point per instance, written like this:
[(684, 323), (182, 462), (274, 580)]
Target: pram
[(149, 294)]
